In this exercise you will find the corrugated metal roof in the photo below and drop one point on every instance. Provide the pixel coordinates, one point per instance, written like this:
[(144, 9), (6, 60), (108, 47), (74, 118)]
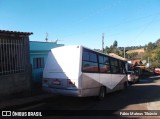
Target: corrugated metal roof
[(15, 32)]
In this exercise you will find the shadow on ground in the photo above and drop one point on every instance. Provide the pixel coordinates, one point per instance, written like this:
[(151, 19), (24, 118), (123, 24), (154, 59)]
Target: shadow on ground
[(143, 92)]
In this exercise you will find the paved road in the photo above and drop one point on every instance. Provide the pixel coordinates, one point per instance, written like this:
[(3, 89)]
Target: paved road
[(142, 96)]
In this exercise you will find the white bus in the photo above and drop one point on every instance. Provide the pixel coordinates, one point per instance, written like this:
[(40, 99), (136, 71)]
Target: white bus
[(80, 71)]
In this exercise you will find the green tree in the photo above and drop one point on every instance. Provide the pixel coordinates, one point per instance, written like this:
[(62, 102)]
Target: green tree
[(113, 49), (158, 42), (107, 50), (115, 44), (133, 55), (151, 46), (153, 53)]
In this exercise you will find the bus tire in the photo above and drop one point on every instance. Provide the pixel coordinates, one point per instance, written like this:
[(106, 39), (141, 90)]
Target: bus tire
[(125, 85), (102, 93)]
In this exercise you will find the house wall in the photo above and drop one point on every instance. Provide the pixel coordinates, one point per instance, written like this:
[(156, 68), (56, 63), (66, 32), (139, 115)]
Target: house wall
[(15, 83), (37, 72), (19, 81), (39, 50)]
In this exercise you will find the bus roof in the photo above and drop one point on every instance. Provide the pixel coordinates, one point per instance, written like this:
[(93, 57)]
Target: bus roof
[(91, 50)]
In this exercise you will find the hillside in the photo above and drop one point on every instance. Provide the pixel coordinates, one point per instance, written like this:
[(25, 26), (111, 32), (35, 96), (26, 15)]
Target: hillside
[(136, 50)]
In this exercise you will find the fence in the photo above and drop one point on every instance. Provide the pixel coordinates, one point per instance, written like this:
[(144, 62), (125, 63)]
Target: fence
[(12, 55)]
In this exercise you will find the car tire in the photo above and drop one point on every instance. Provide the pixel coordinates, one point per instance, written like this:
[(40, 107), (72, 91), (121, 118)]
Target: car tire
[(137, 80), (134, 81)]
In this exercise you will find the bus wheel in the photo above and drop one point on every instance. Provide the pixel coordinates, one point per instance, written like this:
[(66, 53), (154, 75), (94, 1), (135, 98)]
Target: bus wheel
[(125, 85), (102, 93)]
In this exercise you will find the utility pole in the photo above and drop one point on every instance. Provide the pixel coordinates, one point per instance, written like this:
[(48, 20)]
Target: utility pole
[(46, 37), (148, 62), (124, 53), (103, 42)]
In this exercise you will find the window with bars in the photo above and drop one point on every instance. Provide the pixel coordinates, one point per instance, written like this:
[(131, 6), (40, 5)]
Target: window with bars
[(12, 56), (38, 62)]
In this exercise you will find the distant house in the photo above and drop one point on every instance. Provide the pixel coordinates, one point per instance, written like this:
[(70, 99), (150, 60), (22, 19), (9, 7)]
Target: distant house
[(138, 66), (14, 62), (38, 54), (137, 63)]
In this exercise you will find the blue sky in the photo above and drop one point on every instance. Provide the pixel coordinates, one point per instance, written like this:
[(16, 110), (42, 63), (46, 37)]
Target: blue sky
[(82, 22)]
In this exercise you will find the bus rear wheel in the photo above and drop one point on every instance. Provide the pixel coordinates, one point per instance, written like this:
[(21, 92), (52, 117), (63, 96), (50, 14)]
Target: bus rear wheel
[(102, 93), (125, 85)]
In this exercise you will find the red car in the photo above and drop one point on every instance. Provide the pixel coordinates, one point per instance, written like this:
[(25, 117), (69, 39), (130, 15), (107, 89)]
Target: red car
[(157, 70)]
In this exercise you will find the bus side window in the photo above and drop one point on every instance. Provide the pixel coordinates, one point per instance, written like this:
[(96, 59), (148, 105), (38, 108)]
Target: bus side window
[(89, 62), (115, 68), (121, 67), (104, 64), (92, 57), (85, 56)]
